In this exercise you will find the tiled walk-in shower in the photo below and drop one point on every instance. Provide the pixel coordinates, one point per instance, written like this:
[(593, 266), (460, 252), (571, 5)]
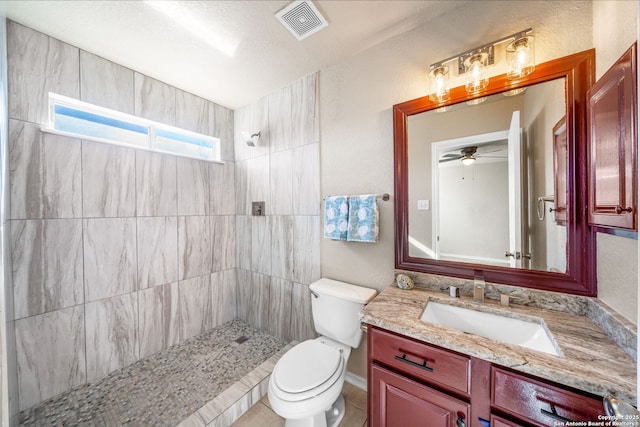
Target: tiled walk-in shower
[(200, 381)]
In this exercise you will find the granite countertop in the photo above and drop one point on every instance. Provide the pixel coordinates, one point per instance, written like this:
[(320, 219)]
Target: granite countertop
[(591, 361)]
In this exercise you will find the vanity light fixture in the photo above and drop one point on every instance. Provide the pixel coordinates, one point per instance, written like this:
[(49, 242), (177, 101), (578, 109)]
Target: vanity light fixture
[(520, 56), (476, 101), (476, 69), (514, 92), (439, 83), (474, 63)]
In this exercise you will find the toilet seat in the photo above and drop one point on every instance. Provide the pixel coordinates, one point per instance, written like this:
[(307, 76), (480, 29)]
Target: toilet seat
[(307, 370)]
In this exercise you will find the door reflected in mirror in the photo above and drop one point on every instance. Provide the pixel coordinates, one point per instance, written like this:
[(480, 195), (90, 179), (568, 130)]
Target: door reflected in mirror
[(482, 181)]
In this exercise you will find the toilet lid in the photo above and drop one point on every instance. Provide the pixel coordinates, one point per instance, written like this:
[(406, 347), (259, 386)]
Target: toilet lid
[(306, 366)]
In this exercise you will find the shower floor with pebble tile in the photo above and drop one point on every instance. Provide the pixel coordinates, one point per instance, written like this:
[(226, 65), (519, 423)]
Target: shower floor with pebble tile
[(163, 389)]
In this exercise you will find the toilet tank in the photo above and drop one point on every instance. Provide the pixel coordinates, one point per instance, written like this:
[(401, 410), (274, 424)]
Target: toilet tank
[(335, 307)]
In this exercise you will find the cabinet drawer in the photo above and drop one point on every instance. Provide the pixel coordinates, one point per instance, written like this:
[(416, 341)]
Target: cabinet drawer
[(501, 422), (421, 361), (539, 403), (400, 402)]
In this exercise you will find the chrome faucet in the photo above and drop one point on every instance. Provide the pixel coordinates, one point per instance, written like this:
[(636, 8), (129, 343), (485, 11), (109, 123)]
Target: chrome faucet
[(478, 288)]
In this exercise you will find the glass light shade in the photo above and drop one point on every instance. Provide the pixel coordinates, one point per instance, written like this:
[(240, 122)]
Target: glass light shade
[(468, 160), (439, 84), (476, 101), (520, 57), (476, 71)]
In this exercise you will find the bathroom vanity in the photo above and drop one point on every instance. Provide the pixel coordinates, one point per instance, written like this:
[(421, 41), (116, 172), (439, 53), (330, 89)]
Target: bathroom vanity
[(441, 376)]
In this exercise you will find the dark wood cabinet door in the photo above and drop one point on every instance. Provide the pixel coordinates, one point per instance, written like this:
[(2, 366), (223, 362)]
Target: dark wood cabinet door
[(400, 402), (612, 130)]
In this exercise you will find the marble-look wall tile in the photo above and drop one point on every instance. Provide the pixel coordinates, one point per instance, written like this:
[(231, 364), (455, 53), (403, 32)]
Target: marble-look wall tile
[(193, 186), (50, 354), (194, 246), (173, 323), (261, 244), (244, 294), (222, 188), (260, 123), (109, 257), (281, 165), (224, 298), (280, 119), (223, 232), (37, 65), (279, 311), (302, 327), (112, 334), (282, 246), (47, 265), (243, 241), (151, 321), (243, 201), (154, 100), (108, 180), (241, 123), (106, 83), (258, 300), (192, 113), (11, 357), (306, 175), (221, 126), (259, 181), (157, 244), (306, 249), (44, 173), (195, 305), (156, 184), (305, 110)]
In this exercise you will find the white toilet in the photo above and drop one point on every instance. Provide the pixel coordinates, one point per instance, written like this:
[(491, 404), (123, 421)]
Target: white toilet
[(305, 385)]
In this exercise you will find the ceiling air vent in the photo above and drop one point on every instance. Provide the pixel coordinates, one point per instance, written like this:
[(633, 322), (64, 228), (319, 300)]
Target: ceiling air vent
[(302, 19)]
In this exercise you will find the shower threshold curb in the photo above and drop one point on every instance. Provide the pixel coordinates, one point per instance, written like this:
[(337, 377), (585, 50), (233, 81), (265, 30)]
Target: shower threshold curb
[(231, 404)]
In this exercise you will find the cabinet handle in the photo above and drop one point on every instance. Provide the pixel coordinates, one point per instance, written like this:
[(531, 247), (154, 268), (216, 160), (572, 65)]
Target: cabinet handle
[(404, 359), (554, 414), (620, 209), (460, 422)]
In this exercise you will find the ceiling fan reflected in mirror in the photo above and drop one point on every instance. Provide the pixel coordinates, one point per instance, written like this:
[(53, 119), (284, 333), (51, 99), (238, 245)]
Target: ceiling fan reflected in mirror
[(468, 155)]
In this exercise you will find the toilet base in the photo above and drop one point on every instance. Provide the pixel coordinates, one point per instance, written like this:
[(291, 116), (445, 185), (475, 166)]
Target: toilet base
[(329, 418), (335, 414)]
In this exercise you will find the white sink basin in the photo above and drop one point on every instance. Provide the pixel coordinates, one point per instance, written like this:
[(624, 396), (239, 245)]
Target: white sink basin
[(508, 330)]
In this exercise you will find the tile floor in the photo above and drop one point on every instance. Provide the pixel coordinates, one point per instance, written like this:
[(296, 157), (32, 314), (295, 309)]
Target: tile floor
[(355, 414), (165, 388)]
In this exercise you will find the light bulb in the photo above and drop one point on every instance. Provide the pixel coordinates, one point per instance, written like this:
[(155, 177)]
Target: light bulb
[(439, 84), (477, 79), (520, 57), (468, 160)]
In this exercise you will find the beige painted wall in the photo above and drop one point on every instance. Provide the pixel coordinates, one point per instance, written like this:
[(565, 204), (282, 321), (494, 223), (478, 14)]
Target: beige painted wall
[(617, 256), (357, 95)]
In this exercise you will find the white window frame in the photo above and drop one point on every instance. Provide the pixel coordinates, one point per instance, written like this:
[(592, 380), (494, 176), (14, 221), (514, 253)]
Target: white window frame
[(212, 155)]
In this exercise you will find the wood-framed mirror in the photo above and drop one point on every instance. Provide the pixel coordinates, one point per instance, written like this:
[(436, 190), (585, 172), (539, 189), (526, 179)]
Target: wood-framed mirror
[(547, 244)]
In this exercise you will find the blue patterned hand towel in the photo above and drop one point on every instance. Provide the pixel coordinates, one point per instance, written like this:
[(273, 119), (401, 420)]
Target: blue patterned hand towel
[(336, 217), (363, 219)]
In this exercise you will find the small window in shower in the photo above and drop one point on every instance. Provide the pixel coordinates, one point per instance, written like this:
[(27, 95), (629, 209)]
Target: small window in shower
[(71, 117)]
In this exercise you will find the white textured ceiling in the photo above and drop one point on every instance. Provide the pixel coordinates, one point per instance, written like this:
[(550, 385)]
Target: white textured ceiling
[(230, 52)]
